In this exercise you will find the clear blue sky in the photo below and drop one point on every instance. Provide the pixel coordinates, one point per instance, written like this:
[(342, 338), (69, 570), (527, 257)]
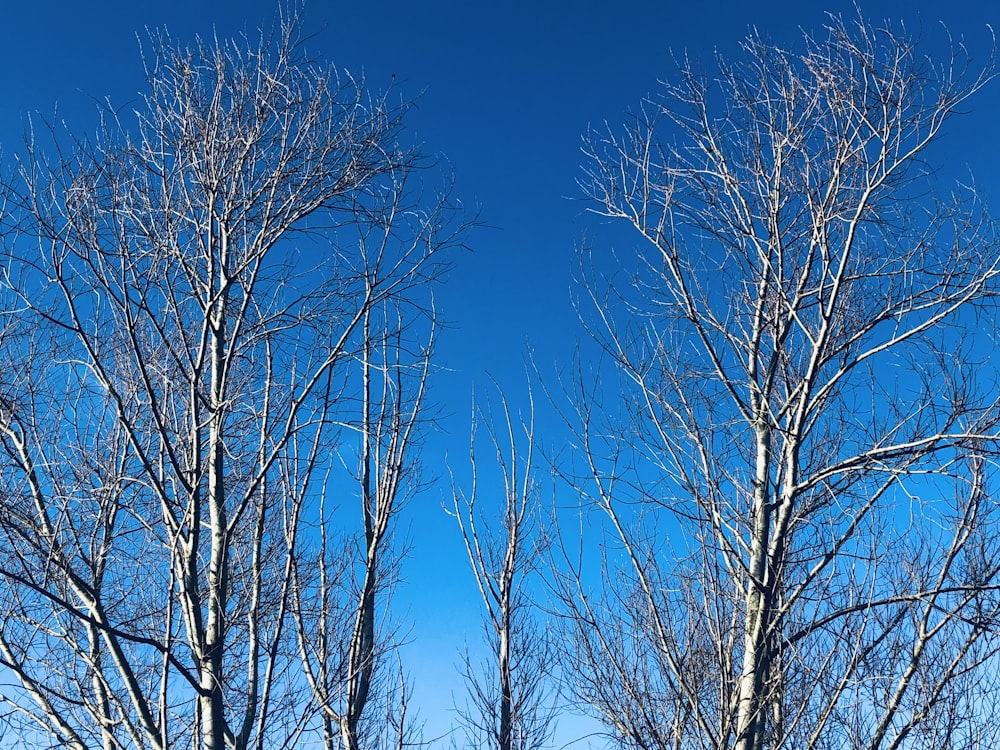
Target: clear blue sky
[(505, 90)]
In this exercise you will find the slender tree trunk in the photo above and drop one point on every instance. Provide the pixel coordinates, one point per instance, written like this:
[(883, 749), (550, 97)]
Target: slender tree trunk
[(756, 660), (218, 584), (363, 637), (506, 688)]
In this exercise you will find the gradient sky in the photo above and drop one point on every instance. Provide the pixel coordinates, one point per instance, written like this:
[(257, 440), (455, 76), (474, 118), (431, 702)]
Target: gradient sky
[(505, 91)]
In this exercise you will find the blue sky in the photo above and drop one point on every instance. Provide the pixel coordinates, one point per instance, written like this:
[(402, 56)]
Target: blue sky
[(504, 93)]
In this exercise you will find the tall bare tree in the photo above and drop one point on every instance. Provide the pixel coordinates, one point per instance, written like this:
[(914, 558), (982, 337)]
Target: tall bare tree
[(510, 704), (798, 482), (345, 643), (197, 305)]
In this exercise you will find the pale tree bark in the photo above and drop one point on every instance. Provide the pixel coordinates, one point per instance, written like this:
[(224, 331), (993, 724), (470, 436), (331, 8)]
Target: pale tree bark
[(510, 702), (797, 483), (342, 592), (187, 308)]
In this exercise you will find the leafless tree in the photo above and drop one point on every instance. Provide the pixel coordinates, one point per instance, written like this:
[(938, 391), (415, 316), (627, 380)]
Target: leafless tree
[(797, 484), (344, 642), (510, 701), (199, 306)]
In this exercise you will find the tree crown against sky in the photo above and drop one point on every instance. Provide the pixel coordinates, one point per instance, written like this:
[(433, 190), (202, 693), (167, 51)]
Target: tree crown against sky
[(797, 479), (221, 320), (760, 421)]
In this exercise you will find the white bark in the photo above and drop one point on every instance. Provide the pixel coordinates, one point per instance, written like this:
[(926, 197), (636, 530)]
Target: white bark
[(509, 696), (795, 475), (187, 297)]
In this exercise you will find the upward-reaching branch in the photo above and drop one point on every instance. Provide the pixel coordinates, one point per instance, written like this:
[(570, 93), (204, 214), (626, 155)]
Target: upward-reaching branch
[(509, 700), (797, 471), (189, 301)]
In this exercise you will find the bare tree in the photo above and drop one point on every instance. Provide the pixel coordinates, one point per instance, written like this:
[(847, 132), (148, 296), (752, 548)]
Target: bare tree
[(803, 546), (510, 701), (195, 305), (345, 642)]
